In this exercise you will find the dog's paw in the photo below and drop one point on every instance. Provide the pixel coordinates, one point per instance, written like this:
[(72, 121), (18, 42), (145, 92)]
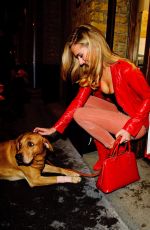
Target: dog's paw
[(76, 179), (68, 179), (71, 173)]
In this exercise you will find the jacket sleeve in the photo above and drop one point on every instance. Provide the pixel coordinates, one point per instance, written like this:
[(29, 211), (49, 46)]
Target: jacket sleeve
[(141, 88), (77, 102)]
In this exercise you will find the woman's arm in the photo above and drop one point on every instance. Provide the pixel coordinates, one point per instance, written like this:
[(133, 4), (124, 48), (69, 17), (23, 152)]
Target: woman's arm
[(77, 102), (67, 116), (141, 88), (44, 131)]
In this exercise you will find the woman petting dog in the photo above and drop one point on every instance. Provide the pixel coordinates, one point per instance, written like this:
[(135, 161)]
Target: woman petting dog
[(113, 98)]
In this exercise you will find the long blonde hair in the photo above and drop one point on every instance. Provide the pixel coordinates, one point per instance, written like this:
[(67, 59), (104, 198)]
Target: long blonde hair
[(99, 54)]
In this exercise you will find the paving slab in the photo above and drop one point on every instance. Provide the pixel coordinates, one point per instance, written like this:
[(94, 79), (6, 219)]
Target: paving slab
[(132, 202)]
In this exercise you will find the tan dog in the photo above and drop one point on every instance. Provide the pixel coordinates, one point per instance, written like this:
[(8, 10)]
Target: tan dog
[(24, 158)]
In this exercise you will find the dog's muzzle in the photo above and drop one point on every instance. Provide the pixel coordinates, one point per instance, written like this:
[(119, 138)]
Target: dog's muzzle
[(19, 158)]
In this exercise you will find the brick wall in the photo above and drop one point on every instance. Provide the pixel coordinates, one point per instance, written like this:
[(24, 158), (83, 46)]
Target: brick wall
[(95, 13), (121, 28), (57, 17), (92, 12)]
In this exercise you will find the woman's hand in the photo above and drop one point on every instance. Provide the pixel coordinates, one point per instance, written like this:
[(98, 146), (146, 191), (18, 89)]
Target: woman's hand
[(44, 131), (125, 136)]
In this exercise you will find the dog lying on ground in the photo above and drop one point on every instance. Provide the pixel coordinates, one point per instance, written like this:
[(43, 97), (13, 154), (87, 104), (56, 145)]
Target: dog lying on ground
[(24, 158)]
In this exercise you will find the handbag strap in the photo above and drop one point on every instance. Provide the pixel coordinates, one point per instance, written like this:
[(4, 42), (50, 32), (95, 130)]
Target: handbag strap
[(115, 150)]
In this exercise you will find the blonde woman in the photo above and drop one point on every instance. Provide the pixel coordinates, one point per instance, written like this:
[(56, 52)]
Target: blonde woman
[(113, 98)]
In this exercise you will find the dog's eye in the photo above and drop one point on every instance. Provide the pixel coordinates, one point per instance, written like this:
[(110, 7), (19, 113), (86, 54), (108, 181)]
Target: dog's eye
[(30, 144)]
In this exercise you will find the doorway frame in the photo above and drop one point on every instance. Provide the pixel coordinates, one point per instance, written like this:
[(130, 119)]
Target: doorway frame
[(146, 67), (133, 42)]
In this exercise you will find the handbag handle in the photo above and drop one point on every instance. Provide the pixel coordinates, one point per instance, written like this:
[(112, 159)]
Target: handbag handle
[(115, 150)]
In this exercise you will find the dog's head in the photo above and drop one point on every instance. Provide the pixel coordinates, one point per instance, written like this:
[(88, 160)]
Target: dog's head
[(31, 148)]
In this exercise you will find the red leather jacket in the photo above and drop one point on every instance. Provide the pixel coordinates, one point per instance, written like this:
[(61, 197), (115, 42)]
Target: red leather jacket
[(132, 93)]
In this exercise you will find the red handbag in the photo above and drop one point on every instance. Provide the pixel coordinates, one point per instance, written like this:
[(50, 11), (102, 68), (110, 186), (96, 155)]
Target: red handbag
[(119, 169)]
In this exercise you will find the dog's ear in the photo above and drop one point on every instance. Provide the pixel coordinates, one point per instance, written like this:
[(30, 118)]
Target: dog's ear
[(18, 140), (47, 144)]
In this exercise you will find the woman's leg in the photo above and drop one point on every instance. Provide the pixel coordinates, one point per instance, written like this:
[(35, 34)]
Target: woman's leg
[(101, 119), (87, 121), (100, 123), (95, 102)]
